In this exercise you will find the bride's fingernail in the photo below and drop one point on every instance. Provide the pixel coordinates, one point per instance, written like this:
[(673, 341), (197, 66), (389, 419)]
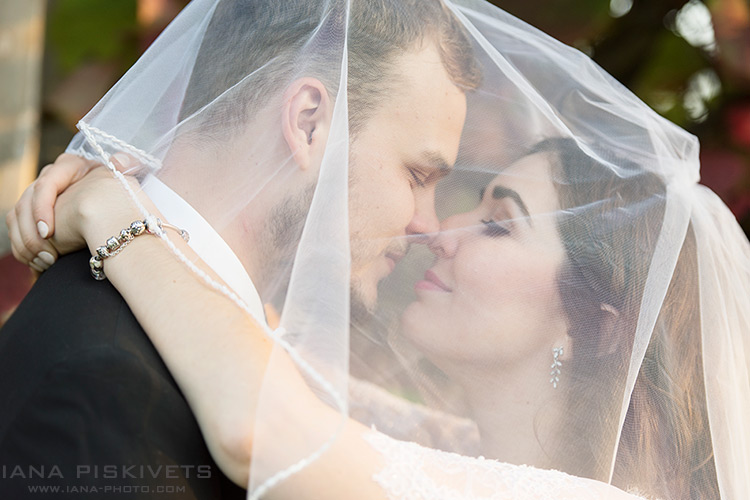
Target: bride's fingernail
[(40, 263), (43, 228), (122, 160), (47, 257), (35, 267)]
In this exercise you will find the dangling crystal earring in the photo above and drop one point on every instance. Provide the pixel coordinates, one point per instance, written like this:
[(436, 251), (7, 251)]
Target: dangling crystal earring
[(556, 364)]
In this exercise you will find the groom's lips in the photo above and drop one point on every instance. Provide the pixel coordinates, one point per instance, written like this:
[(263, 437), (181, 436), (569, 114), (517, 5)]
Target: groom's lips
[(393, 259), (432, 282)]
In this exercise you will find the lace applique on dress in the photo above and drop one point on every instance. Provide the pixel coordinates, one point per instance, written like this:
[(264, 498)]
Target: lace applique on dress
[(413, 472)]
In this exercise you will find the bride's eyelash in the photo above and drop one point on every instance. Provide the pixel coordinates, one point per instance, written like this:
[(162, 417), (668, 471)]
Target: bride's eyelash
[(493, 229)]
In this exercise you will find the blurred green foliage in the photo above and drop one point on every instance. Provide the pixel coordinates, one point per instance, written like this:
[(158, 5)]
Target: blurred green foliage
[(80, 31)]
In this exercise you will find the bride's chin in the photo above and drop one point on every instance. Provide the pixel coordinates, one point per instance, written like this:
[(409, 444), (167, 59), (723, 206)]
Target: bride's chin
[(415, 321)]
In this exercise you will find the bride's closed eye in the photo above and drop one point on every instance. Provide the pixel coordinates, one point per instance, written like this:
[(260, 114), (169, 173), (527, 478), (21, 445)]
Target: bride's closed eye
[(495, 229)]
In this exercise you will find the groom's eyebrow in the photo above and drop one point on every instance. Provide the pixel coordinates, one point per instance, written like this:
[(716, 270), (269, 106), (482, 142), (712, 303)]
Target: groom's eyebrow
[(435, 162), (500, 192)]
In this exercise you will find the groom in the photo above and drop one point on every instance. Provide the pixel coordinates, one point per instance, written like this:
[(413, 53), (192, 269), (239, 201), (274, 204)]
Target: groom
[(88, 403)]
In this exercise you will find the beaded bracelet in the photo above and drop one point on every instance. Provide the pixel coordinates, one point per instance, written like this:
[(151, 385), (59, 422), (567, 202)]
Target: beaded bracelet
[(116, 244)]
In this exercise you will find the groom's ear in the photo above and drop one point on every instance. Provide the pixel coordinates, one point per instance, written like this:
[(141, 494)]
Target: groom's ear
[(306, 120)]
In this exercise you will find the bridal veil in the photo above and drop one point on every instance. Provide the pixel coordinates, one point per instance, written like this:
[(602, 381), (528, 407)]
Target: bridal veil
[(586, 307)]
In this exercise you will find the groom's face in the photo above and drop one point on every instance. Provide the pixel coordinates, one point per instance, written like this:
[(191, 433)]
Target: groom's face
[(409, 142)]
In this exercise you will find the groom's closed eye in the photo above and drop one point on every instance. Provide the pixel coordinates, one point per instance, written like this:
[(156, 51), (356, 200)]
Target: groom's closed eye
[(418, 176), (430, 167)]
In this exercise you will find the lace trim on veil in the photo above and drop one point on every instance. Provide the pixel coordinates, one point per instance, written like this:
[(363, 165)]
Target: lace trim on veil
[(112, 144)]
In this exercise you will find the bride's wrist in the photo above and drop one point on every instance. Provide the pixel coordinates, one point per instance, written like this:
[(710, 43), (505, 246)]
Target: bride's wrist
[(105, 219), (96, 224), (123, 240), (93, 209)]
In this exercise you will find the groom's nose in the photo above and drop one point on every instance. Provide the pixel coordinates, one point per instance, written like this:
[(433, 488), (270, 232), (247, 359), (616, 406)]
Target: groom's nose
[(424, 222)]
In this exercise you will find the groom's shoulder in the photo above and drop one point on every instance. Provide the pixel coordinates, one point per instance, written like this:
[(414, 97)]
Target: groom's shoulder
[(67, 309), (80, 383), (70, 319)]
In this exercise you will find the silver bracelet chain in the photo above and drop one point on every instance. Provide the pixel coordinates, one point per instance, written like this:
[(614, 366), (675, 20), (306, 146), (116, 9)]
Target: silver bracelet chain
[(116, 244)]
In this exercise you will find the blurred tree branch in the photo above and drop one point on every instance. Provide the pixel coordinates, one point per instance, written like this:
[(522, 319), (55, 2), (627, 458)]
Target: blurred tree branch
[(21, 42)]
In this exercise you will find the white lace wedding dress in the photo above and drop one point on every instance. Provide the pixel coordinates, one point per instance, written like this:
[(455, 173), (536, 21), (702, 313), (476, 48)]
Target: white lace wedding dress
[(423, 472)]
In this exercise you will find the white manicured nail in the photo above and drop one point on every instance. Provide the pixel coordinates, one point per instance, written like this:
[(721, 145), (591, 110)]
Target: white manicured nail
[(35, 267), (123, 160), (40, 263), (43, 228), (47, 257)]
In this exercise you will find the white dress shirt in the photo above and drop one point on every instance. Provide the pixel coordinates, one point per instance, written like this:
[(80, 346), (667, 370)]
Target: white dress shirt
[(205, 241)]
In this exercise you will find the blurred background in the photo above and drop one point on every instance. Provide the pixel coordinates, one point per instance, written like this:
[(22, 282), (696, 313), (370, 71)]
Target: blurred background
[(689, 60)]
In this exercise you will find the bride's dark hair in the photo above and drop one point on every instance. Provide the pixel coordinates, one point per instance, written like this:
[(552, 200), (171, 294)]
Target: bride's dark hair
[(611, 217)]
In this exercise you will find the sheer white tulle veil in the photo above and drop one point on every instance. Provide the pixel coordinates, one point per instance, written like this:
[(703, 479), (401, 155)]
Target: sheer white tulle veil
[(585, 306)]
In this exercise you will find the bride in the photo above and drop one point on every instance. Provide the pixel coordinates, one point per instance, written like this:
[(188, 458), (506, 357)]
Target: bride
[(579, 318)]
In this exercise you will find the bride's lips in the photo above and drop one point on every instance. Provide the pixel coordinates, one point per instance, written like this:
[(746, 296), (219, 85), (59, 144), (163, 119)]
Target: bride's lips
[(432, 282)]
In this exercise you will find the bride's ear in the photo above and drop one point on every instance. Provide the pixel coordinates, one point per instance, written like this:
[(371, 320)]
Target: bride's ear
[(306, 120), (610, 317), (608, 333)]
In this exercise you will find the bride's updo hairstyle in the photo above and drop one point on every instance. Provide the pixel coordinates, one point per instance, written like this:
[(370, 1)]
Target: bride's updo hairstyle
[(609, 225)]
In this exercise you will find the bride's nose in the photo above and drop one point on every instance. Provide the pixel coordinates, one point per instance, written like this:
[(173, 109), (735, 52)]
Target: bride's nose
[(446, 242)]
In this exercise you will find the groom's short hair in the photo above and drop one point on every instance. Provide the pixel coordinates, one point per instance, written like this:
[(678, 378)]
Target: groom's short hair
[(265, 39)]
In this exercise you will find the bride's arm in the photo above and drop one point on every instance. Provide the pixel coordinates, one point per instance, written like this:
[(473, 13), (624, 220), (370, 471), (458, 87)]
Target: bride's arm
[(216, 352)]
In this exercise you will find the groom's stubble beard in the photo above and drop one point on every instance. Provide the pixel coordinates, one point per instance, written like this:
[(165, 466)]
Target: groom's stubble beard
[(281, 239), (360, 309), (282, 236)]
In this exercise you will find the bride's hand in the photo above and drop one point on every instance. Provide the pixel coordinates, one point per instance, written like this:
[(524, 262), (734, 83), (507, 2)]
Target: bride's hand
[(93, 209), (32, 223)]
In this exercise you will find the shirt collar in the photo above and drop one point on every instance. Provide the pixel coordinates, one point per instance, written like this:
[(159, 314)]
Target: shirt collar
[(205, 241)]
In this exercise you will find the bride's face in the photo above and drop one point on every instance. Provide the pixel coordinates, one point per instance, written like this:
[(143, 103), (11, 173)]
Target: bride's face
[(492, 294)]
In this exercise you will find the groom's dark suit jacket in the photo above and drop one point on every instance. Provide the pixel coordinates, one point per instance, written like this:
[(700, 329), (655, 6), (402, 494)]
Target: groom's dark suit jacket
[(88, 406)]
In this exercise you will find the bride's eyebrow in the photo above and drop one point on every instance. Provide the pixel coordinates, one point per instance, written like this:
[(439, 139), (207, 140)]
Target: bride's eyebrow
[(501, 192)]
